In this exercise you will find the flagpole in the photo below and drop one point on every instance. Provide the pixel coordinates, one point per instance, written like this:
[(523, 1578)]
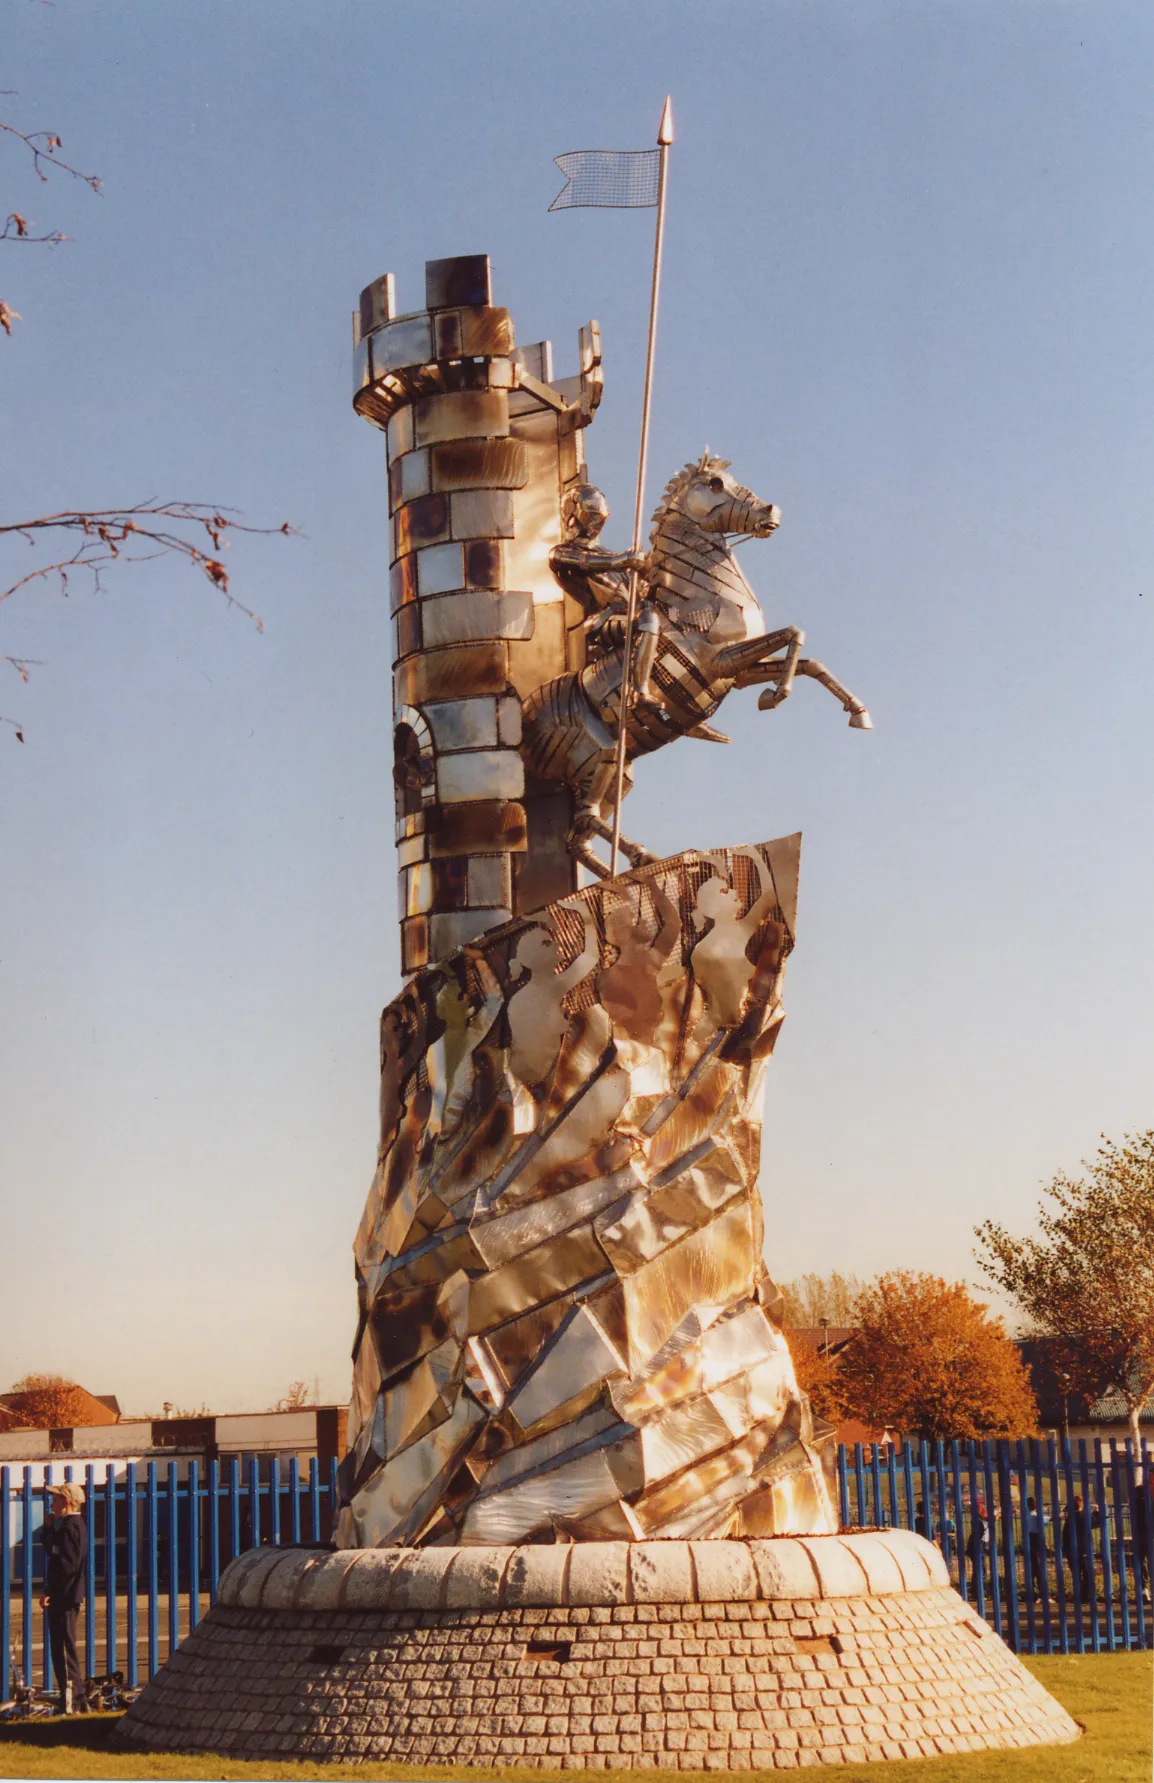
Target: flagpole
[(664, 138)]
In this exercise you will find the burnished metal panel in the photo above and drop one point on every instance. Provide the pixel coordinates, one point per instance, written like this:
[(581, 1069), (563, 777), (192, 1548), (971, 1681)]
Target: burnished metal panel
[(399, 432), (569, 1148), (463, 724), (452, 673), (491, 881), (440, 568), (482, 514), (479, 613), (411, 474), (479, 774), (361, 372), (459, 414), (461, 279), (400, 344), (479, 464), (422, 523), (378, 303), (483, 825)]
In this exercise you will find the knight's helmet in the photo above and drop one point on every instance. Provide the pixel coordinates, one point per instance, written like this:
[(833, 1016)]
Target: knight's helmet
[(483, 446)]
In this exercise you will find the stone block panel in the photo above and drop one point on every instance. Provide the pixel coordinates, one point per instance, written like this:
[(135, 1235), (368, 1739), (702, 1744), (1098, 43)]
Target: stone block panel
[(718, 1684)]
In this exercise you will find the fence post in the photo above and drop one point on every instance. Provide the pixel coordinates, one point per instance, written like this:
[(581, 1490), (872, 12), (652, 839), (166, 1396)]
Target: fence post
[(274, 1500), (908, 1479), (46, 1485), (6, 1681), (173, 1560), (110, 1568), (332, 1496), (1009, 1546), (253, 1502), (130, 1568), (1028, 1546), (1059, 1568), (314, 1499), (213, 1528), (234, 1506), (1131, 1500), (1107, 1555), (1077, 1544), (842, 1487), (1116, 1496), (152, 1554), (995, 1550), (90, 1574), (859, 1484), (876, 1484), (193, 1544), (1086, 1537), (295, 1500)]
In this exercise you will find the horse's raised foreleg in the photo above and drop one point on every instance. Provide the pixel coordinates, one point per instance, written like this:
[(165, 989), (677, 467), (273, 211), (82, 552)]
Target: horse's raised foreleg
[(859, 718)]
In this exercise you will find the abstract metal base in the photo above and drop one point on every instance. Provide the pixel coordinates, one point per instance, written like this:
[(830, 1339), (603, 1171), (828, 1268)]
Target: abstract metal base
[(691, 1655), (567, 1331)]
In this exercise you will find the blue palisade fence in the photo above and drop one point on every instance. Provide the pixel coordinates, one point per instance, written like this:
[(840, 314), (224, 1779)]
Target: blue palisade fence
[(161, 1535), (1079, 1584)]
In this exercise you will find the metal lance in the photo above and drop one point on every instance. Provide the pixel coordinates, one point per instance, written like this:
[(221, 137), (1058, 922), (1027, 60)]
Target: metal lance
[(664, 138)]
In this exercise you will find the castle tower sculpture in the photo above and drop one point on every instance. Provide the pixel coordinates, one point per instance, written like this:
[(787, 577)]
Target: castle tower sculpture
[(482, 445)]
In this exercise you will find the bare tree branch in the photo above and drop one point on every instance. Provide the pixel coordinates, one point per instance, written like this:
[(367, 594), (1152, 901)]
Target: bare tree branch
[(44, 147), (107, 535)]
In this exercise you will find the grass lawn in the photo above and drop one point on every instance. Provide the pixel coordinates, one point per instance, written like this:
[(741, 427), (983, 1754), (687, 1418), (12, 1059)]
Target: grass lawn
[(1109, 1693)]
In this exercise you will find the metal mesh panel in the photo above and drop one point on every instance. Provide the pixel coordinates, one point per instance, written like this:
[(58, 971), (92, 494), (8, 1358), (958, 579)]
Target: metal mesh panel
[(623, 179)]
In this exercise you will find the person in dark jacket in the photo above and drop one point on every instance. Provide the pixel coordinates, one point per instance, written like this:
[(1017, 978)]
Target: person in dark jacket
[(65, 1539), (1078, 1527)]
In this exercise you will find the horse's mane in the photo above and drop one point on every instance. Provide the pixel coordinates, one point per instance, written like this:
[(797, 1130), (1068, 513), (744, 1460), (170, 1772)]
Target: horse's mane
[(706, 463)]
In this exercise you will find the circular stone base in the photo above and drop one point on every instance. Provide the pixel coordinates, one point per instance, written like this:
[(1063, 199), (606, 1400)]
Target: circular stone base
[(698, 1655)]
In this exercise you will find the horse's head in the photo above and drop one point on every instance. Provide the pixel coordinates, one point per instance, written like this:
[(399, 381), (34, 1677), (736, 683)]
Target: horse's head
[(715, 501)]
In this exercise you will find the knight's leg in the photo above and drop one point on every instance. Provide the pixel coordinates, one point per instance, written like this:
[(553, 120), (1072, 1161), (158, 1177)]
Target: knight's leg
[(635, 855), (859, 717)]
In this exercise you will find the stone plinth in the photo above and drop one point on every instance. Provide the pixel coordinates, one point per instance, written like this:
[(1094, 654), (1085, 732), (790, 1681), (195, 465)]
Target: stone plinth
[(697, 1655)]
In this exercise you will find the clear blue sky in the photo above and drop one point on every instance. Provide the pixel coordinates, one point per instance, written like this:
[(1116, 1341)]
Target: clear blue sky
[(908, 280)]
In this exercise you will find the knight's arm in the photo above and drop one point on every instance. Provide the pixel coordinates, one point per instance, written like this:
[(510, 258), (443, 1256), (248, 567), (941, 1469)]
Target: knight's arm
[(598, 579)]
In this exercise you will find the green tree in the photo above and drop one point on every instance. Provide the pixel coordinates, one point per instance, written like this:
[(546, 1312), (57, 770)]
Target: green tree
[(1088, 1278), (930, 1361)]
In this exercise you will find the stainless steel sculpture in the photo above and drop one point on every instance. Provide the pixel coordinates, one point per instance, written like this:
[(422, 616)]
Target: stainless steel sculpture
[(567, 1331), (699, 634)]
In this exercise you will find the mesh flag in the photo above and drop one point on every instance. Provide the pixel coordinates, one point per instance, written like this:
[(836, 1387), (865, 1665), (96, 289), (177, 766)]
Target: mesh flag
[(618, 179)]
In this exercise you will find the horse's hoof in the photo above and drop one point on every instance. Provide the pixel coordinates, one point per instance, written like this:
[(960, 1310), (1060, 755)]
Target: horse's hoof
[(861, 721), (769, 699)]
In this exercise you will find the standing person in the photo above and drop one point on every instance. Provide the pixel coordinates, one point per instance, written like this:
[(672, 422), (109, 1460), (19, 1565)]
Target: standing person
[(65, 1539), (1034, 1524), (1077, 1546), (979, 1541)]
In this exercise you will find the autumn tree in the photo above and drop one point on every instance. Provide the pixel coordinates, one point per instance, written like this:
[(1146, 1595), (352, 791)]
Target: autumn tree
[(1088, 1278), (46, 1402), (819, 1376), (809, 1299), (81, 545), (930, 1361)]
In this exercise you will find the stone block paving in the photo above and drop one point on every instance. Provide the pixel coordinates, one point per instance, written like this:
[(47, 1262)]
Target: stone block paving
[(697, 1686)]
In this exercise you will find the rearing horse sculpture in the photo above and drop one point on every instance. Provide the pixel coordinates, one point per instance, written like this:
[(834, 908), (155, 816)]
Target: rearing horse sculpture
[(700, 634)]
